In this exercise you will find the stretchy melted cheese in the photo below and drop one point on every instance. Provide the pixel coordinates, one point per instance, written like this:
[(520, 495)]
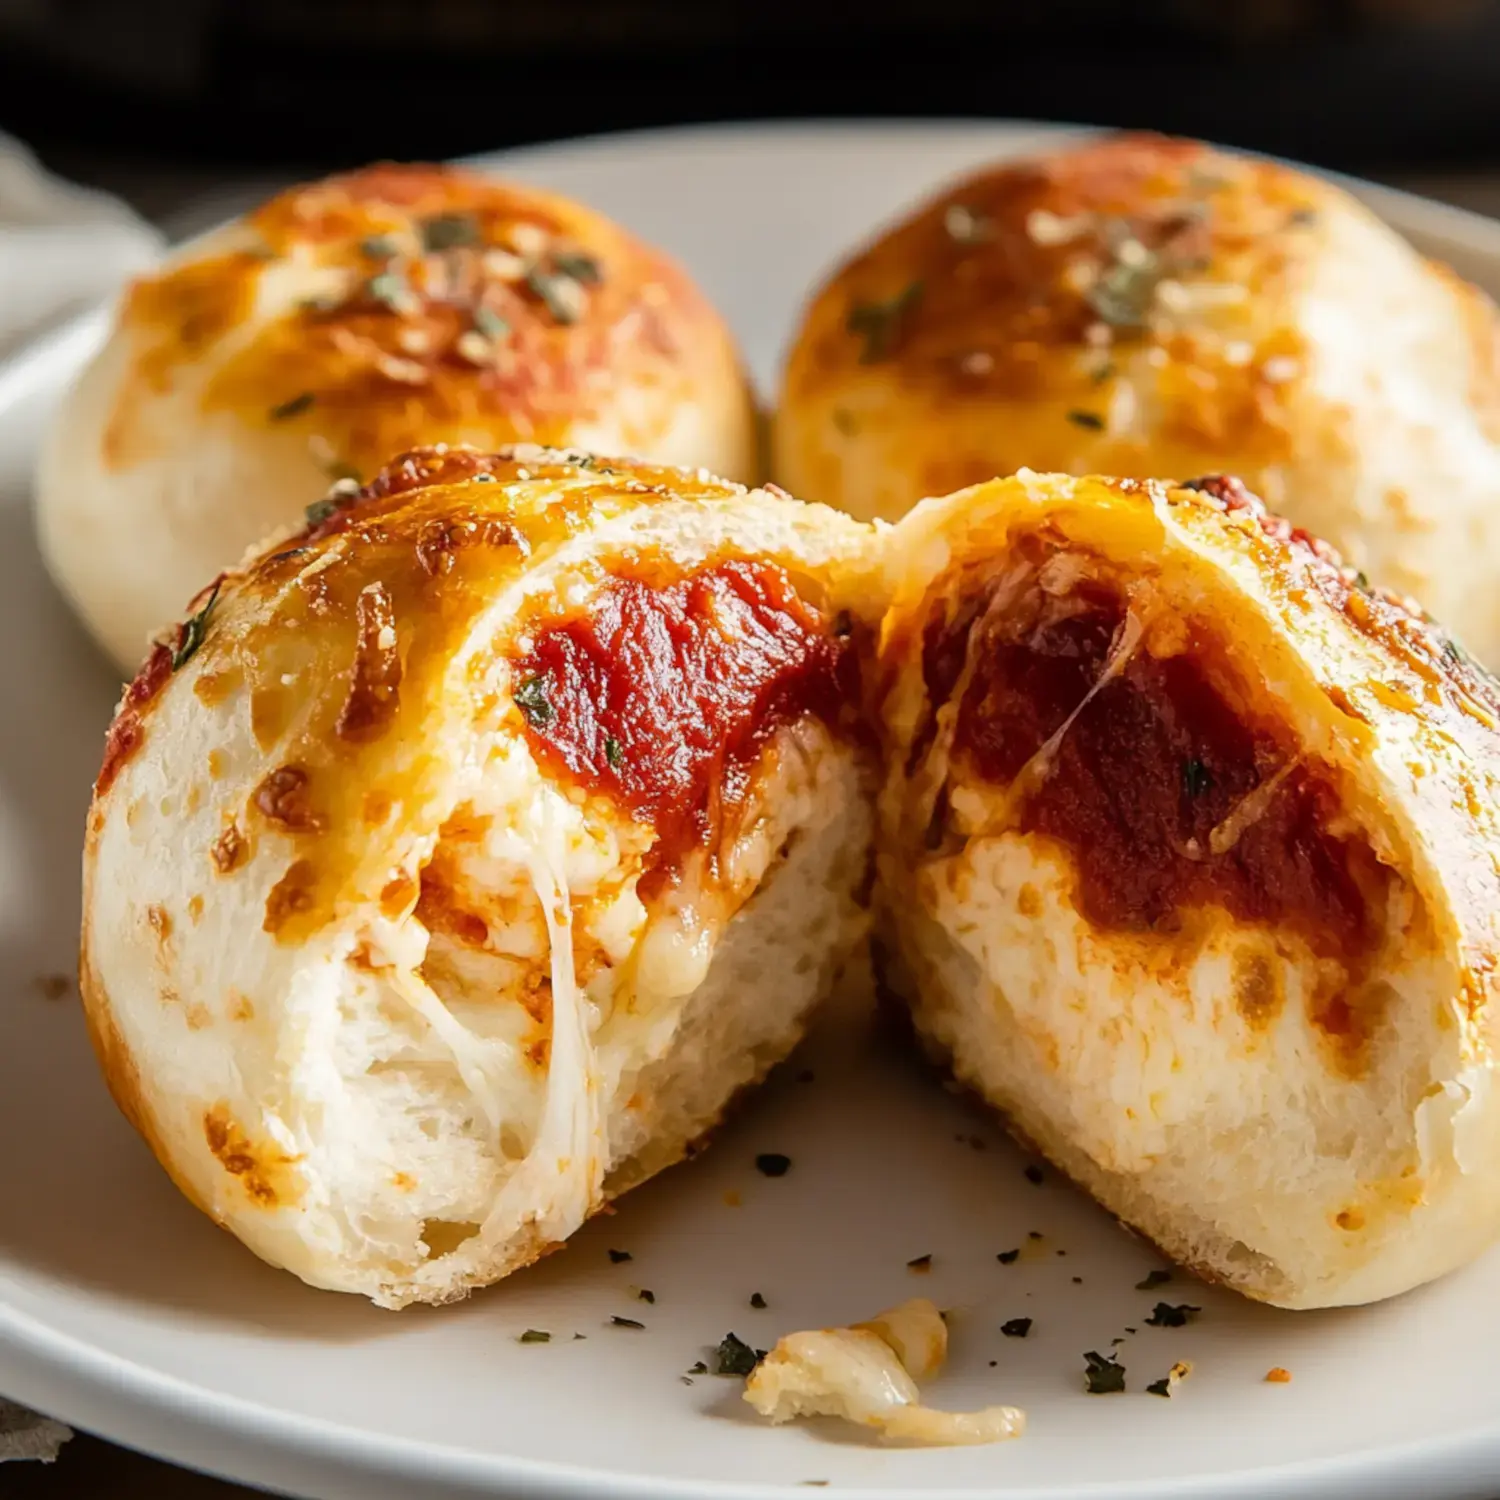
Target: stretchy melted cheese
[(458, 859), (1188, 853)]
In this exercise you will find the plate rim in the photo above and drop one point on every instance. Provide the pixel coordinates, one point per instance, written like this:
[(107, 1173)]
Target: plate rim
[(250, 1442)]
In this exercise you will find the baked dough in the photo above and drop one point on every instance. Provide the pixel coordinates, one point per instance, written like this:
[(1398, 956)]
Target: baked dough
[(1145, 307), (1188, 851), (344, 322), (460, 857)]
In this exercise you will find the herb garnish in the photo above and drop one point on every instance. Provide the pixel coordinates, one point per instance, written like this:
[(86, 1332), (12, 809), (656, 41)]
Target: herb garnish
[(698, 1368), (1165, 1315), (1008, 1257), (1302, 217), (772, 1164), (1016, 1328), (919, 1263), (1123, 294), (194, 628), (1196, 779), (321, 510), (389, 289), (558, 294), (490, 323), (613, 753), (579, 265), (1153, 1279), (646, 1295), (1090, 419), (1362, 581), (379, 246), (1034, 1175), (535, 1336), (735, 1357), (619, 1322), (1104, 1375), (879, 323), (618, 1256), (291, 407), (531, 698), (448, 231), (757, 1301)]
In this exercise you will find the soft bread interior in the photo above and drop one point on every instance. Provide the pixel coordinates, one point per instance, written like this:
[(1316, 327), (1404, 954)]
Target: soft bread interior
[(1271, 1112)]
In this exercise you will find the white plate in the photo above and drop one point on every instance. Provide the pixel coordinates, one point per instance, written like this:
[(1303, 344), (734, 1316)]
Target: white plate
[(123, 1310)]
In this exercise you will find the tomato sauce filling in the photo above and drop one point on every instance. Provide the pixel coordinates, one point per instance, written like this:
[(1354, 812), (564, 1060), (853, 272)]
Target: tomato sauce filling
[(1156, 761), (663, 695)]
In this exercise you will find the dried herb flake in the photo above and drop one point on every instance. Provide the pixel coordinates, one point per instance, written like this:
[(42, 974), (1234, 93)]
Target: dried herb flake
[(1153, 1279), (194, 628), (879, 323), (1016, 1328), (619, 1322), (773, 1164), (293, 406), (613, 753), (619, 1256), (919, 1263), (531, 698), (757, 1301), (1008, 1257), (735, 1357), (1103, 1375), (1090, 419), (1165, 1315), (535, 1336), (449, 231)]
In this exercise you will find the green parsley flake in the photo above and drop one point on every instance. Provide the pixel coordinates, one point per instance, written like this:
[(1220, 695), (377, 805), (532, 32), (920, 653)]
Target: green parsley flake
[(1153, 1280), (879, 324), (449, 231), (1165, 1315), (531, 698), (619, 1256), (379, 247), (1196, 780), (1016, 1328), (613, 753), (1090, 419), (535, 1336), (194, 629), (1008, 1257), (488, 322), (1103, 1375), (619, 1322), (735, 1357), (292, 407), (579, 265), (773, 1164), (757, 1301)]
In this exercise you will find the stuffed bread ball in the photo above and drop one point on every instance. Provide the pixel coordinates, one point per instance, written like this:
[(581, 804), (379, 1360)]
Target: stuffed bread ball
[(1189, 861), (346, 321), (456, 860), (1142, 306)]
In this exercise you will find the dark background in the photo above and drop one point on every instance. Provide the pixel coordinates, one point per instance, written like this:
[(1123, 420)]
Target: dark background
[(292, 87)]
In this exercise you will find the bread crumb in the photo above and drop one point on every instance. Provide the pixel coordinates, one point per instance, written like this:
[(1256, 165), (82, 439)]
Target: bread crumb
[(1278, 1376)]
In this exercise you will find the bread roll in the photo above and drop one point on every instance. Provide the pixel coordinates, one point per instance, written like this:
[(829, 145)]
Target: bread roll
[(344, 322), (1141, 306), (457, 860), (1188, 852)]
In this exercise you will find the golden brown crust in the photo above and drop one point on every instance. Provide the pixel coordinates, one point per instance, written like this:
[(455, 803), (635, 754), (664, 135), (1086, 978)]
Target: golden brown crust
[(446, 297), (1391, 621), (1021, 281)]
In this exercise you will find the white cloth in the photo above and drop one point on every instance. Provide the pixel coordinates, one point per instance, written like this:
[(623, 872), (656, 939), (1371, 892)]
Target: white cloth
[(62, 246)]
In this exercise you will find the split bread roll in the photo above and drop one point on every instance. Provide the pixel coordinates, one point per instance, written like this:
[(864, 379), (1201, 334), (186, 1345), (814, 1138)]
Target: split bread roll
[(1189, 861), (1141, 306), (348, 320), (459, 858)]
